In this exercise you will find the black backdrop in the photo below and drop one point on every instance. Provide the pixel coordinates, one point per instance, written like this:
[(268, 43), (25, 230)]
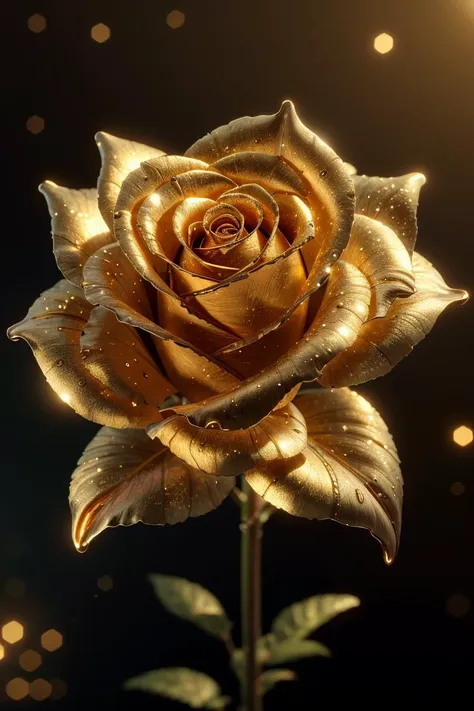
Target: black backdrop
[(412, 109)]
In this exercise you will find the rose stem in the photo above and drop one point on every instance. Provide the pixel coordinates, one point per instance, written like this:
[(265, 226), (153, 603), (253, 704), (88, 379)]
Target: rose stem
[(251, 594)]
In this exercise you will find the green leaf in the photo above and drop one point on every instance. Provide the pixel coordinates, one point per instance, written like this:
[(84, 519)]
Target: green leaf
[(291, 650), (220, 703), (302, 618), (192, 602), (186, 685), (270, 678), (264, 645)]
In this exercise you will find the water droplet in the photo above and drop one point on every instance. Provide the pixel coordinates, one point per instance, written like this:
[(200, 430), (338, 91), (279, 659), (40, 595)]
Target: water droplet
[(360, 496), (59, 362)]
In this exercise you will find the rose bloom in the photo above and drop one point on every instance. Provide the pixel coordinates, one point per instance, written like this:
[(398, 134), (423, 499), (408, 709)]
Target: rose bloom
[(200, 292)]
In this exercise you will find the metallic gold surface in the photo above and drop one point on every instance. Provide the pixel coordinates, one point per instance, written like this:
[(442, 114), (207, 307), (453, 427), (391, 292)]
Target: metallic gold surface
[(124, 477), (382, 343), (349, 472), (53, 328), (77, 227), (279, 436), (256, 262)]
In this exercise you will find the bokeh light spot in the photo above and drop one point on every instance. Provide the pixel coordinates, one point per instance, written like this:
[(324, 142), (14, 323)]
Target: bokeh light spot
[(37, 23), (40, 689), (14, 587), (463, 436), (30, 660), (100, 33), (51, 640), (17, 689), (2, 651), (12, 632), (457, 488), (383, 43), (175, 19), (59, 689), (105, 583), (458, 605), (35, 124)]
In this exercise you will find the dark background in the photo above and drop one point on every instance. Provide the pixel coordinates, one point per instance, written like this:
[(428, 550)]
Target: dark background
[(412, 109)]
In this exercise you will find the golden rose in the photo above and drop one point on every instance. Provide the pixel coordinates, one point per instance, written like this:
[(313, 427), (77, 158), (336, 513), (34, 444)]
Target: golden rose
[(232, 275)]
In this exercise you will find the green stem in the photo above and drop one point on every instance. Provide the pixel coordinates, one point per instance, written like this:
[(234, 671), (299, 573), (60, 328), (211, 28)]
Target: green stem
[(251, 594)]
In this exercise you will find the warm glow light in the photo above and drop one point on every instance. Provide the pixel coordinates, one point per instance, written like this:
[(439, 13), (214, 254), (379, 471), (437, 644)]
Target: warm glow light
[(12, 632), (35, 124), (51, 640), (17, 689), (65, 397), (36, 23), (457, 488), (100, 33), (59, 689), (2, 651), (30, 660), (463, 435), (458, 605), (175, 19), (383, 43), (105, 583), (40, 689)]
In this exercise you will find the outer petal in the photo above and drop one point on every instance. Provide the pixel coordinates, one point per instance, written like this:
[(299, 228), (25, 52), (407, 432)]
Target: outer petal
[(281, 435), (53, 328), (117, 356), (124, 477), (380, 255), (393, 201), (77, 227), (349, 471), (382, 343), (119, 158), (329, 187), (343, 311)]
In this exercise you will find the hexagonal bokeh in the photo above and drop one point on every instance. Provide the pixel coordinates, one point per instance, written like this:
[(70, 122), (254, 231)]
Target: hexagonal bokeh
[(40, 689), (100, 33), (463, 435), (12, 632), (30, 660), (37, 23), (51, 640), (383, 43), (35, 124), (175, 19), (105, 583), (17, 689)]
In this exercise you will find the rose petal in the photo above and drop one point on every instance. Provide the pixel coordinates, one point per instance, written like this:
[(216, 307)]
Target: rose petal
[(112, 282), (279, 436), (116, 355), (382, 343), (342, 312), (297, 222), (119, 158), (349, 472), (380, 255), (329, 186), (53, 328), (246, 306), (195, 376), (191, 184), (392, 201), (135, 189), (77, 227), (124, 477)]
